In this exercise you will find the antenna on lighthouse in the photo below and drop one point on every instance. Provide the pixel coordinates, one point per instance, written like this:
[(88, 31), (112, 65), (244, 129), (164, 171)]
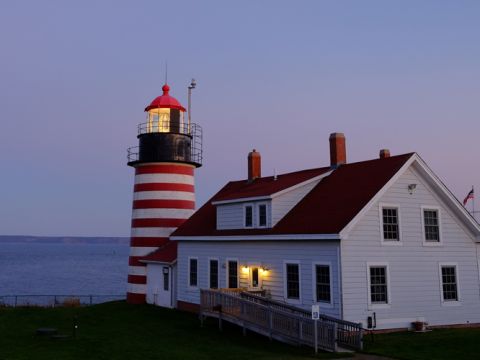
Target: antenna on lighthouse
[(192, 85), (166, 72)]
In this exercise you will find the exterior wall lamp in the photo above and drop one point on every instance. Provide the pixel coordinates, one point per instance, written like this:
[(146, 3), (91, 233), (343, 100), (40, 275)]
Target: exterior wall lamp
[(411, 188)]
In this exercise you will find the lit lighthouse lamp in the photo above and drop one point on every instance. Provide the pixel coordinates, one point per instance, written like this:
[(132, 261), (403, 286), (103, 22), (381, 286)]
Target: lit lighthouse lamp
[(169, 149)]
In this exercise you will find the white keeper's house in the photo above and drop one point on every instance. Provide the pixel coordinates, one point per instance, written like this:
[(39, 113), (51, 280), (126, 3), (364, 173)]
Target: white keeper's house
[(382, 239)]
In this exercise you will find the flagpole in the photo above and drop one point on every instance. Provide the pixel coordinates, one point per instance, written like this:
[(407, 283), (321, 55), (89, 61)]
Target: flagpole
[(473, 203)]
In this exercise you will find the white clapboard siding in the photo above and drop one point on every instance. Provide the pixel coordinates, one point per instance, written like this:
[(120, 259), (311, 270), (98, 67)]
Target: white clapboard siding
[(414, 283), (267, 253)]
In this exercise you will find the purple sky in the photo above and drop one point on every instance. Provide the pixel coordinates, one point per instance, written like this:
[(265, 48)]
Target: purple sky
[(272, 75)]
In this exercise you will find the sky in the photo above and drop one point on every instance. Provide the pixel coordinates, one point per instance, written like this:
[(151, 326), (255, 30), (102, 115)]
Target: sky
[(277, 76)]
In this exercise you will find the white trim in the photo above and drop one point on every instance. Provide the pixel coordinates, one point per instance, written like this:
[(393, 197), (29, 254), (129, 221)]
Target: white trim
[(258, 215), (227, 267), (314, 283), (285, 293), (241, 200), (160, 262), (439, 218), (245, 206), (443, 302), (274, 195), (389, 292), (209, 271), (192, 287), (258, 237), (398, 242)]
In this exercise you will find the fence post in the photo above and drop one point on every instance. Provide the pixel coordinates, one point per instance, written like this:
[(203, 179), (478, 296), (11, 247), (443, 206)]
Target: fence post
[(360, 339), (270, 322), (335, 344), (16, 300), (54, 300), (315, 333)]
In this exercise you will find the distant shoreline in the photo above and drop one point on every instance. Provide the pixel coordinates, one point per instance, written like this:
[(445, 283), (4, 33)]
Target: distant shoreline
[(28, 239)]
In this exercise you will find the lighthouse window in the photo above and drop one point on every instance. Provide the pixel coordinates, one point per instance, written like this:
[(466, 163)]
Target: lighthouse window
[(159, 120)]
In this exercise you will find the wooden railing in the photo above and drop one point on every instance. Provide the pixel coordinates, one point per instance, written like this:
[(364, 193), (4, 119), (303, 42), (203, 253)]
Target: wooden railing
[(280, 321)]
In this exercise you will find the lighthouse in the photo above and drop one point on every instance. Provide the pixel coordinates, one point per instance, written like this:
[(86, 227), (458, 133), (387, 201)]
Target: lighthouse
[(169, 149)]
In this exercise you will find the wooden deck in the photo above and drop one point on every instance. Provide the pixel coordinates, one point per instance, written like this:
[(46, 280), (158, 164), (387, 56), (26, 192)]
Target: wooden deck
[(278, 321)]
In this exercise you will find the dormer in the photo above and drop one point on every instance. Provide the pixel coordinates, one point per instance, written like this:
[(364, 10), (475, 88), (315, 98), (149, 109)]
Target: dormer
[(261, 202)]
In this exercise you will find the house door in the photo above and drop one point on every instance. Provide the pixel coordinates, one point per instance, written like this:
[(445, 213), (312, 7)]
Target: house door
[(164, 294)]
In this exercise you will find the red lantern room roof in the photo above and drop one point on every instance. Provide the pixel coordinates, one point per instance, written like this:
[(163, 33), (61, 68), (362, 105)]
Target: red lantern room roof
[(165, 101)]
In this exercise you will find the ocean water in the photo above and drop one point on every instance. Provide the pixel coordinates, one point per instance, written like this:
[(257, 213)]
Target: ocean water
[(63, 269)]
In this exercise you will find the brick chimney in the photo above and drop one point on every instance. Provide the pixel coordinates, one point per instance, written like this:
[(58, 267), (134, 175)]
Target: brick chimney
[(254, 165), (338, 153), (384, 153)]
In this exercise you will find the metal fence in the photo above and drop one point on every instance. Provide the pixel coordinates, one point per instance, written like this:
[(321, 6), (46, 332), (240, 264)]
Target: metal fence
[(56, 300)]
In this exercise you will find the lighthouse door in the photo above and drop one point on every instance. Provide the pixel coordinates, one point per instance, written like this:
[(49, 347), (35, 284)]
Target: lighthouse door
[(165, 292)]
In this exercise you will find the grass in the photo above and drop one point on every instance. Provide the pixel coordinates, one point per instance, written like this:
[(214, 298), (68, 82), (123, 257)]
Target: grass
[(439, 344), (117, 330)]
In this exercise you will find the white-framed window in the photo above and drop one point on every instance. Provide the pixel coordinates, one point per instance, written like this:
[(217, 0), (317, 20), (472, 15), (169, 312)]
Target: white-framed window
[(292, 281), (232, 273), (449, 288), (248, 215), (431, 225), (322, 283), (213, 273), (390, 224), (262, 215), (378, 277), (193, 272)]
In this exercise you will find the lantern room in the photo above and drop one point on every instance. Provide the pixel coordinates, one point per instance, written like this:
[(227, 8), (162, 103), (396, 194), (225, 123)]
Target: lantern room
[(165, 114), (167, 136)]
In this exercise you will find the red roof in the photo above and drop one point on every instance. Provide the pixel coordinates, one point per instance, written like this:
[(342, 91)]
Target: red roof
[(165, 101), (326, 209), (267, 185), (165, 254)]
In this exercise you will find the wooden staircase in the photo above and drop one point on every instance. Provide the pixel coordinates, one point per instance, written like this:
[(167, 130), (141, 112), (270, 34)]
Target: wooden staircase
[(279, 321)]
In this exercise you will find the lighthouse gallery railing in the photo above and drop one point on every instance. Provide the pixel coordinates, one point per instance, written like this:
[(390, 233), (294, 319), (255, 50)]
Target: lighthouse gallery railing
[(194, 131)]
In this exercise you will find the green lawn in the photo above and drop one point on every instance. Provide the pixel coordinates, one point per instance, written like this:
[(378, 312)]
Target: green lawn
[(439, 344), (120, 331)]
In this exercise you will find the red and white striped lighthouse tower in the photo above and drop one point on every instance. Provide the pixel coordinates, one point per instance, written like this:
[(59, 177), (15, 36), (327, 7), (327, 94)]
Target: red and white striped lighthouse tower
[(169, 149)]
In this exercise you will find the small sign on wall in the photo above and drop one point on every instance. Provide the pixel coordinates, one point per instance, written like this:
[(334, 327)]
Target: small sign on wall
[(315, 312)]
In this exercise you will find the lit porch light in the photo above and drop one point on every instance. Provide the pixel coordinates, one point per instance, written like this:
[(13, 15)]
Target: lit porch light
[(245, 268)]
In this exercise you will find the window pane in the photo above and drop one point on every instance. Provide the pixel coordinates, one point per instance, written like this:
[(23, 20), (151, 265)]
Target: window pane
[(293, 281), (390, 224), (378, 285), (232, 275), (449, 283), (323, 282), (193, 272), (432, 229), (248, 216), (213, 274), (165, 281), (262, 215)]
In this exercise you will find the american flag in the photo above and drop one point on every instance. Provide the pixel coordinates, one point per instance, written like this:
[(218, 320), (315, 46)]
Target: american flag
[(469, 196)]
